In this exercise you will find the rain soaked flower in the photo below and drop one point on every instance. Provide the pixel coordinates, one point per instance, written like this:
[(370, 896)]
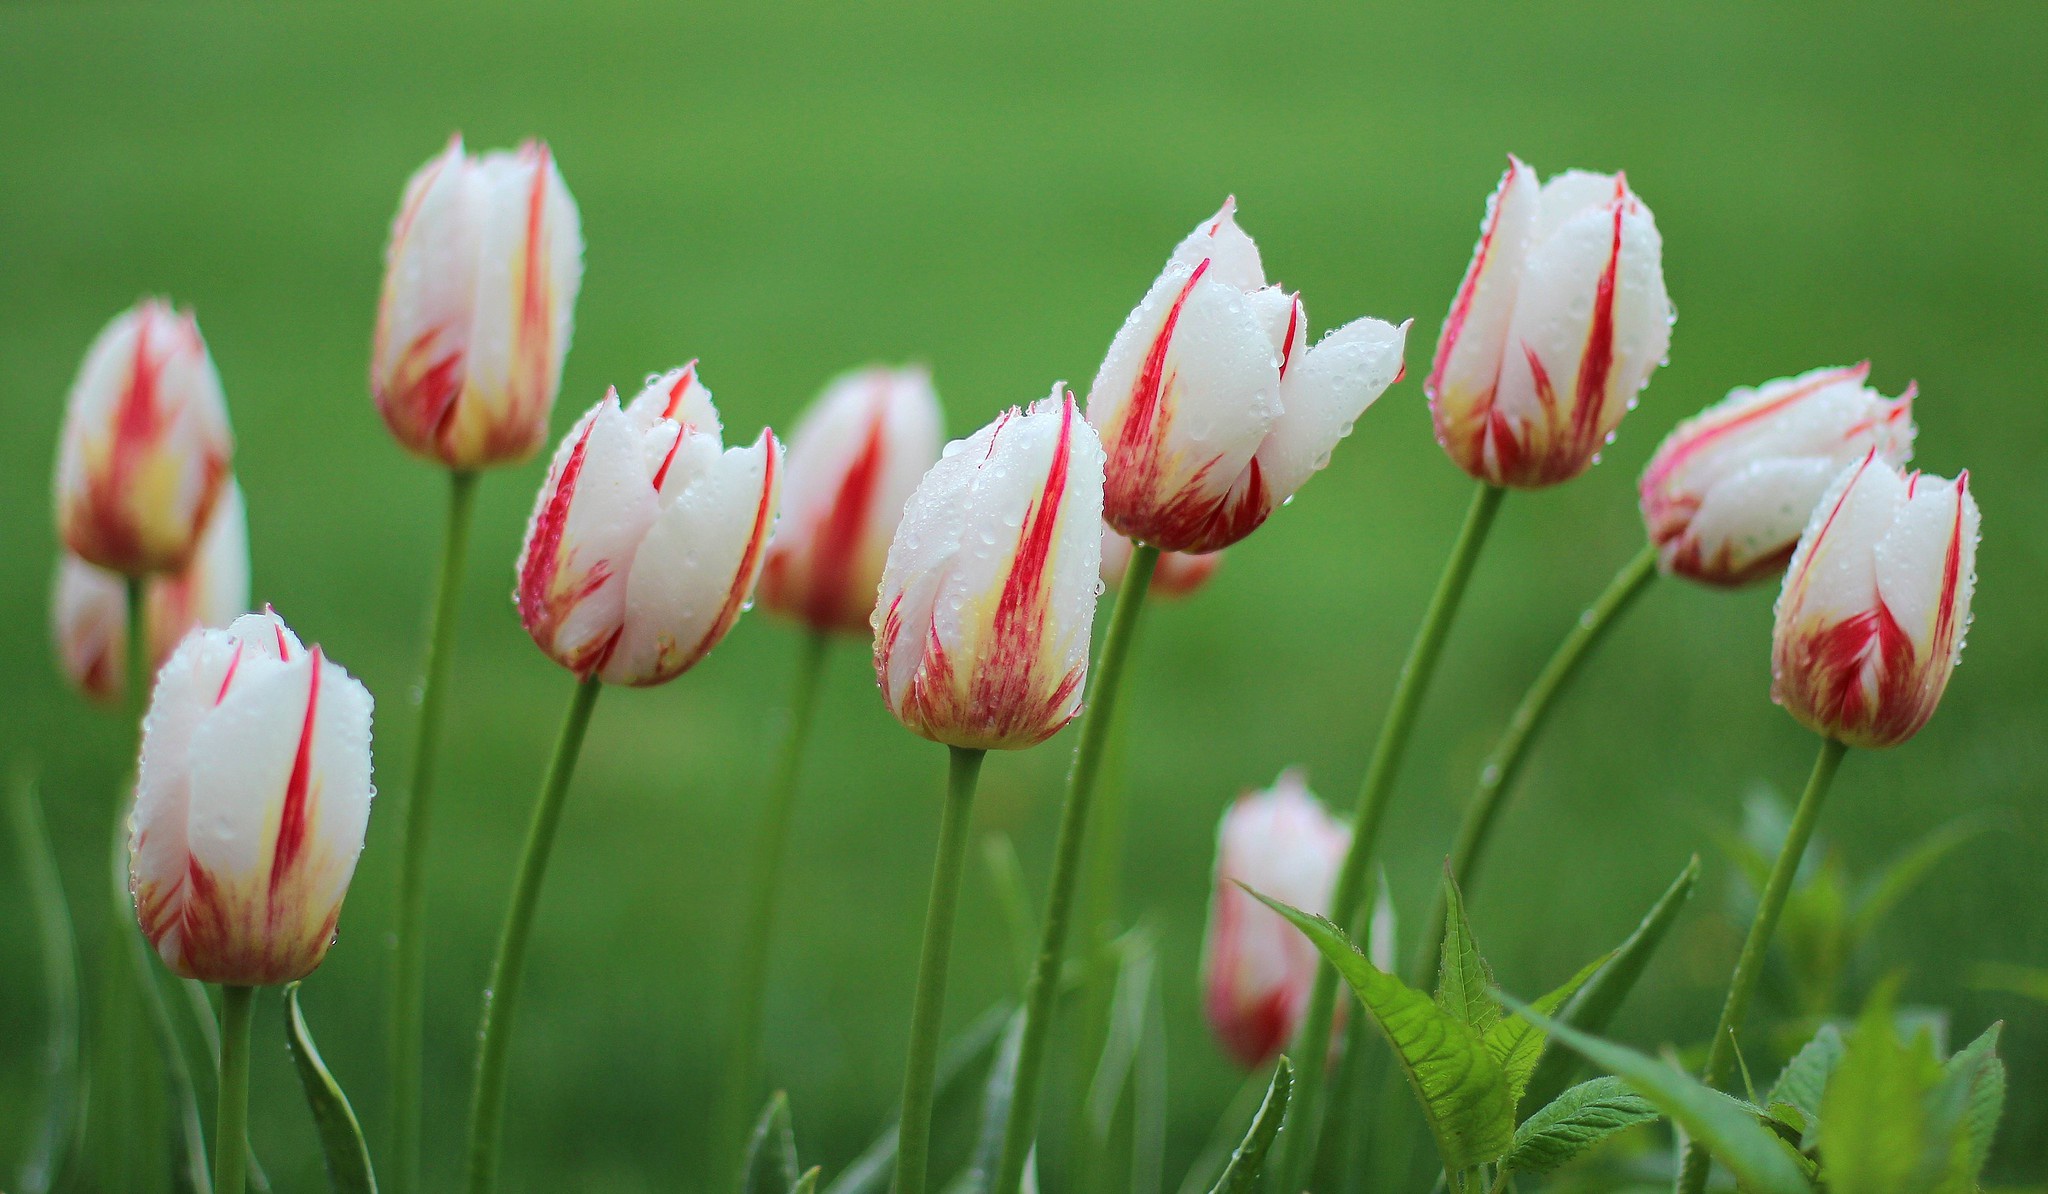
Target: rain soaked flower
[(1178, 573)]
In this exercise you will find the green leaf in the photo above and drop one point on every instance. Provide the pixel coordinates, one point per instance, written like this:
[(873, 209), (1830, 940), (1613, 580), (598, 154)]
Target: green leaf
[(808, 1183), (1226, 1136), (1725, 1127), (1977, 1078), (1464, 1094), (341, 1137), (1575, 1121), (1517, 1043), (998, 1092), (1242, 1174), (1884, 890), (771, 1166), (2028, 981), (1464, 985), (55, 1141), (870, 1172), (1806, 1076), (1137, 962), (1879, 1130), (1006, 876)]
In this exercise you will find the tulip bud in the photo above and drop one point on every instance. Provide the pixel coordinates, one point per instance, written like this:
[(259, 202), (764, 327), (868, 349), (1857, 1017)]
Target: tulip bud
[(1876, 603), (480, 282), (1728, 492), (89, 610), (648, 535), (1212, 406), (145, 446), (981, 629), (252, 800), (855, 458), (1256, 969), (1178, 573), (1559, 321)]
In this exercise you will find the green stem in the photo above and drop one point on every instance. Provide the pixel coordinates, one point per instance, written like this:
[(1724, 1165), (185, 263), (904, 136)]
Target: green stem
[(408, 969), (1298, 1147), (1107, 686), (1749, 965), (495, 1037), (914, 1134), (749, 1010), (231, 1125)]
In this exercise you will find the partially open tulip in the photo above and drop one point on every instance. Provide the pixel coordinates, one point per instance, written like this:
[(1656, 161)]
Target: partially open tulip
[(981, 629), (251, 806), (1178, 573), (1876, 603), (1256, 969), (480, 282), (1560, 320), (1729, 490), (145, 448), (648, 535), (853, 461), (1212, 406)]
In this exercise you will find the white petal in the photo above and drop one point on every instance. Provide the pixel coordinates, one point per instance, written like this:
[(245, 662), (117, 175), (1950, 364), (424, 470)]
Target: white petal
[(1469, 353), (1323, 395), (1833, 574), (1913, 561), (1234, 258), (1754, 512), (430, 265)]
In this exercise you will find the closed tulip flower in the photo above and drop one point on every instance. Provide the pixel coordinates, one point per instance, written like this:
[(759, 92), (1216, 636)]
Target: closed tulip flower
[(1178, 574), (1876, 603), (1560, 320), (853, 461), (1729, 490), (253, 796), (480, 282), (981, 629), (145, 448), (648, 535), (1256, 969), (1213, 407)]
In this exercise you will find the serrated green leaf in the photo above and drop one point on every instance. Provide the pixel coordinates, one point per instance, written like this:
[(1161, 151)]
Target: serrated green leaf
[(1727, 1128), (808, 1183), (1878, 1130), (1978, 1077), (55, 1141), (1805, 1077), (1575, 1121), (1463, 1093), (1517, 1043), (1464, 985), (771, 1165), (870, 1172), (341, 1137), (1242, 1174)]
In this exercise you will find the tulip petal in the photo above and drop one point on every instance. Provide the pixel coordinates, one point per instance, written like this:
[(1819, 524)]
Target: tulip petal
[(1925, 566), (430, 287), (1233, 256), (1323, 395), (1466, 371)]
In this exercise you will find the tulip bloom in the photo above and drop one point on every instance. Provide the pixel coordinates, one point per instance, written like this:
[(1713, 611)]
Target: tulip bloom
[(854, 460), (1560, 319), (1256, 969), (1212, 406), (1729, 490), (1876, 603), (480, 282), (1178, 573), (145, 447), (648, 535), (981, 629), (251, 805)]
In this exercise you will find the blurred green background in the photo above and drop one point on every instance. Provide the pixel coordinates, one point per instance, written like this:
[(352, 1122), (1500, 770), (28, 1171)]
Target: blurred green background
[(785, 191)]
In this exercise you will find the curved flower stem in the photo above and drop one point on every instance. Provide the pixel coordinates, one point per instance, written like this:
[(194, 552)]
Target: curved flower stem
[(231, 1124), (408, 966), (914, 1135), (495, 1037), (1304, 1113), (750, 991), (1749, 965), (1066, 868)]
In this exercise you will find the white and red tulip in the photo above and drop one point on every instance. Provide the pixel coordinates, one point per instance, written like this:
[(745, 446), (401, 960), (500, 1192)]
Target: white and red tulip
[(1178, 574), (252, 801), (1213, 408), (480, 281), (1729, 490), (1556, 328), (1257, 970), (145, 448), (648, 535), (854, 460), (1876, 603), (981, 628)]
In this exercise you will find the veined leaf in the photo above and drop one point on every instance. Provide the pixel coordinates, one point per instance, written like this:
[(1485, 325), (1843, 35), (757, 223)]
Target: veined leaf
[(771, 1166), (1575, 1121), (341, 1137), (1464, 1094), (1517, 1043), (55, 1140), (1242, 1174), (1763, 1163), (1464, 985), (1806, 1076), (1879, 1123), (869, 1173), (1975, 1078)]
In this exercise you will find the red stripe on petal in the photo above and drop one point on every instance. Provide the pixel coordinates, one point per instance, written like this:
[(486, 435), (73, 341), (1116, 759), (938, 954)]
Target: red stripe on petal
[(743, 576), (1136, 453), (295, 818), (837, 541), (1461, 307), (539, 607)]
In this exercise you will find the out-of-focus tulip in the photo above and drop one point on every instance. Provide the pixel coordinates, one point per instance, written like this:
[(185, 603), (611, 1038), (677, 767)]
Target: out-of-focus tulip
[(1212, 406), (853, 461), (251, 806), (145, 446), (1256, 969), (480, 282), (1560, 319), (89, 610), (981, 628), (1729, 490), (1178, 573), (647, 536), (1876, 604)]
